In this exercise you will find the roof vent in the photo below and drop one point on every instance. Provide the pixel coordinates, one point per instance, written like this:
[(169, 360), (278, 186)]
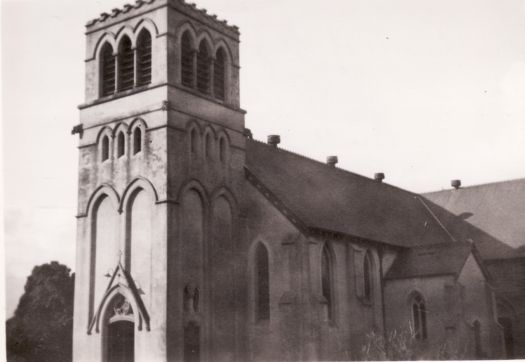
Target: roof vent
[(332, 160), (379, 176), (455, 184), (274, 140)]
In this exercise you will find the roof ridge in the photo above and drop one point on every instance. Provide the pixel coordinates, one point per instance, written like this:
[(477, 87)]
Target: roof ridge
[(475, 186), (138, 3), (339, 169)]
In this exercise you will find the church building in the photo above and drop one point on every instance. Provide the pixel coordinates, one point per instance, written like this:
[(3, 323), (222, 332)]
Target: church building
[(196, 242)]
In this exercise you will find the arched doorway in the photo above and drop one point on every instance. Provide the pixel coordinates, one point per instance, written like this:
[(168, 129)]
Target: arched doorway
[(120, 331)]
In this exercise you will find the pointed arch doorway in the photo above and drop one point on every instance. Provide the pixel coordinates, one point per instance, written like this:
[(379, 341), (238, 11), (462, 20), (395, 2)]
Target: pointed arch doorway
[(119, 341)]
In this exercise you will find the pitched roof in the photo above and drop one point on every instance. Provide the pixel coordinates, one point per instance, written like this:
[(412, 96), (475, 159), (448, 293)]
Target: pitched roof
[(328, 198), (498, 209), (430, 260)]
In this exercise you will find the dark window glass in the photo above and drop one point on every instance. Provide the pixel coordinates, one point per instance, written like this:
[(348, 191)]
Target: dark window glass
[(105, 148), (326, 281), (125, 65), (137, 140), (187, 60), (107, 66), (263, 283), (219, 74), (121, 141), (203, 68), (144, 58)]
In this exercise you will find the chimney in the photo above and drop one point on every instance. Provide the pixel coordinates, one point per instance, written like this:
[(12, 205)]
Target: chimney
[(379, 177), (332, 160), (274, 140), (455, 184)]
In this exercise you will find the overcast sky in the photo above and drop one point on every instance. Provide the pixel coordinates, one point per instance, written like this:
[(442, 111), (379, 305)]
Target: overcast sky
[(424, 91)]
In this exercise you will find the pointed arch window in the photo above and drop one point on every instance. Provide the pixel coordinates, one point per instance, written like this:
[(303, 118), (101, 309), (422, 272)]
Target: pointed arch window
[(107, 70), (137, 140), (105, 148), (125, 65), (222, 150), (144, 58), (367, 276), (219, 74), (208, 145), (262, 279), (194, 141), (186, 66), (327, 282), (121, 144), (419, 317), (203, 68)]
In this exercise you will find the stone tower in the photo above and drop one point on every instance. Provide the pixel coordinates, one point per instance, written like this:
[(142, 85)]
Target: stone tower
[(161, 156)]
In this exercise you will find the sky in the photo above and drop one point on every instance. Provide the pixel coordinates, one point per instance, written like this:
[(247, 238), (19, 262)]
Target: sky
[(424, 91)]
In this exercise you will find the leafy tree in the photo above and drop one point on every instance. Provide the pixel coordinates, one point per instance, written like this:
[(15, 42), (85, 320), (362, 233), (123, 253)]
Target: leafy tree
[(41, 329)]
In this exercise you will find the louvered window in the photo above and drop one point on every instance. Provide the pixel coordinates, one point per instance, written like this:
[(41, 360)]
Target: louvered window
[(203, 68), (187, 60), (219, 74), (262, 278), (107, 73), (144, 58), (125, 65), (121, 144), (137, 140)]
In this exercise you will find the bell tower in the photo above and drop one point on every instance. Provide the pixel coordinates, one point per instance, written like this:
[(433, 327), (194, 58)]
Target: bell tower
[(161, 157)]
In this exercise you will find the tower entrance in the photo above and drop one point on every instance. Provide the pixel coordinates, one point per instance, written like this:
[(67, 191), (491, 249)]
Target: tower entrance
[(120, 332)]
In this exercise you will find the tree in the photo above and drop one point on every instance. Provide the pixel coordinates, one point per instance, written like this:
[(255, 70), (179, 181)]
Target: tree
[(41, 329)]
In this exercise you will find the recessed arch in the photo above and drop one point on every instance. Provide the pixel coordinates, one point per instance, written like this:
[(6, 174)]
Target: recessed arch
[(198, 187), (107, 37), (222, 44), (138, 183), (106, 70), (146, 23), (209, 143), (125, 31), (220, 69)]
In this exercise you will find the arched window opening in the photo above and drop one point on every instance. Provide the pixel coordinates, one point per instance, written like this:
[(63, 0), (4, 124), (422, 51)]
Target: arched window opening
[(209, 146), (262, 279), (121, 142), (107, 70), (367, 275), (222, 150), (105, 148), (144, 58), (477, 340), (203, 68), (120, 331), (419, 317), (186, 65), (137, 140), (327, 282), (125, 65), (219, 74), (194, 141)]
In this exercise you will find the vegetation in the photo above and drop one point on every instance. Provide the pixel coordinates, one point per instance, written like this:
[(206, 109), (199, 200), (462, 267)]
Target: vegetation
[(41, 329)]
